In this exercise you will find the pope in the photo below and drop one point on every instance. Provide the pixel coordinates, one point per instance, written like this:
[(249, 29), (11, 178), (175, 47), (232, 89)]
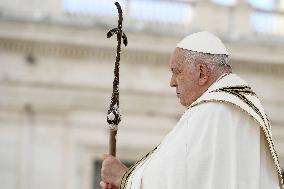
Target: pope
[(222, 141)]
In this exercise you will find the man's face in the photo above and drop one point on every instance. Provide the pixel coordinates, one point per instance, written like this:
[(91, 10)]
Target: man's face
[(185, 77)]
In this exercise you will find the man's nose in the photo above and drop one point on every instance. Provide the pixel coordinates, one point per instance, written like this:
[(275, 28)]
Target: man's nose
[(173, 82)]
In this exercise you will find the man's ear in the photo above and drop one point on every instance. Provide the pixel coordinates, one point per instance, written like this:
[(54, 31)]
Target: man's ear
[(203, 74)]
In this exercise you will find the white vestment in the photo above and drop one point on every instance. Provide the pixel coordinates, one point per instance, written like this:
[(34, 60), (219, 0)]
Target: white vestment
[(223, 141)]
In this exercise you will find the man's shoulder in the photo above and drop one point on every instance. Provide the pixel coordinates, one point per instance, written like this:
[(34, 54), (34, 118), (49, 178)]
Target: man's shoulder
[(213, 109)]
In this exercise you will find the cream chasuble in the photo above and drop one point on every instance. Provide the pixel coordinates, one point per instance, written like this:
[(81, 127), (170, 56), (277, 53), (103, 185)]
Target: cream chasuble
[(223, 141)]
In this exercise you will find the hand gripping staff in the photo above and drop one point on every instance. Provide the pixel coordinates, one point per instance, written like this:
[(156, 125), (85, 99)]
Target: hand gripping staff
[(114, 116)]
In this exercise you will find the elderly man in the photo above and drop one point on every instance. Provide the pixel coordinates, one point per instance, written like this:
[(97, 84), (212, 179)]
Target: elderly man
[(222, 141)]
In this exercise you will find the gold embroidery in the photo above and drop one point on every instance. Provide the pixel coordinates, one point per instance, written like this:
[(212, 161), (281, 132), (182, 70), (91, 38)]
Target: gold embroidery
[(243, 89), (126, 175), (240, 92), (223, 76), (265, 130)]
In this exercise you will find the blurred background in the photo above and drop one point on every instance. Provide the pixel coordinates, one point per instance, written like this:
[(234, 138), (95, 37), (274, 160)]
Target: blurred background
[(57, 69)]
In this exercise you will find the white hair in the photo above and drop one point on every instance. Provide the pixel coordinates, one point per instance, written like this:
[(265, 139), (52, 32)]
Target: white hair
[(215, 62)]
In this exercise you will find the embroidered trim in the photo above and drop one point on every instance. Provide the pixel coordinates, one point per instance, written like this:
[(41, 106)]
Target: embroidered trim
[(223, 76), (124, 180), (265, 130), (243, 89), (240, 92)]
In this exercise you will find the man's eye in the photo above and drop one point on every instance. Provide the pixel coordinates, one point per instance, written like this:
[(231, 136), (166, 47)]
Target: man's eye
[(176, 71)]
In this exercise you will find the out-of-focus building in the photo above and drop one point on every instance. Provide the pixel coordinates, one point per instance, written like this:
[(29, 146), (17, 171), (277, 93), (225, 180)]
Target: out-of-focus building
[(57, 69)]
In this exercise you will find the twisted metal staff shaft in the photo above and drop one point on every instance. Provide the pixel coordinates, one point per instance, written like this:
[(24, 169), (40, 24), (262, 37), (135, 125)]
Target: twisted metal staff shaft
[(114, 116)]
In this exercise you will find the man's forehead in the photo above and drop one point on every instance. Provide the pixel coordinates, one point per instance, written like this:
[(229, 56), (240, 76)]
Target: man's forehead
[(178, 51), (177, 58), (173, 60)]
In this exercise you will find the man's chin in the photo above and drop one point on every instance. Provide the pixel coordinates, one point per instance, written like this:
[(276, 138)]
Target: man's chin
[(182, 102)]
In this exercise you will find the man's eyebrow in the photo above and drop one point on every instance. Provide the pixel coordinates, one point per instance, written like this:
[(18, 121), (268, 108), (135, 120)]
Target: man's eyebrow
[(175, 69)]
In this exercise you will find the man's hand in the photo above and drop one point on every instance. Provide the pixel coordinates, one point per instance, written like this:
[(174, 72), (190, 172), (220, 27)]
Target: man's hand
[(107, 186), (112, 172)]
